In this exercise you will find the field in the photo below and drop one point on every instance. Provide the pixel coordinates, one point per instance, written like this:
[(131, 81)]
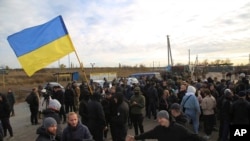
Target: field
[(21, 84)]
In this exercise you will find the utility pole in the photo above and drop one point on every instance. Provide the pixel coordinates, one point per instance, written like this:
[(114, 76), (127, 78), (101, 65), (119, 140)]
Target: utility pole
[(189, 57), (169, 53), (153, 65), (69, 60), (249, 60)]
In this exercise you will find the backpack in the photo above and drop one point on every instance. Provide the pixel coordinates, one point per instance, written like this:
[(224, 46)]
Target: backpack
[(29, 99)]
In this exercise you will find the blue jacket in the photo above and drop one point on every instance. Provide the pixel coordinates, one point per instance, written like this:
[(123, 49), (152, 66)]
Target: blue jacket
[(191, 103)]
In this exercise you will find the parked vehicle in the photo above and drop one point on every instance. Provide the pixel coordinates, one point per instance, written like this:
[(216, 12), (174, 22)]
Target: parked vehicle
[(147, 74), (50, 85), (132, 80)]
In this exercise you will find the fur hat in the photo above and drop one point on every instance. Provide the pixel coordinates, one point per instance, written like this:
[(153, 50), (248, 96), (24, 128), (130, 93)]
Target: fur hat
[(163, 114), (191, 89), (54, 104), (49, 121)]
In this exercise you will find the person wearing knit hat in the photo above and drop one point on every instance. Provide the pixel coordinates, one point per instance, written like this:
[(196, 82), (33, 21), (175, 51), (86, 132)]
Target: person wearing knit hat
[(53, 112), (163, 118), (166, 130), (49, 121), (48, 130)]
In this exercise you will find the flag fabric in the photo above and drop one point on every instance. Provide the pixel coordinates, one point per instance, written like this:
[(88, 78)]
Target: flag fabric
[(37, 47)]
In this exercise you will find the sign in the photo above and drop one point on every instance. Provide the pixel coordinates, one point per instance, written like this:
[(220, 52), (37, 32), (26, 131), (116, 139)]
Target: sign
[(239, 132), (3, 71)]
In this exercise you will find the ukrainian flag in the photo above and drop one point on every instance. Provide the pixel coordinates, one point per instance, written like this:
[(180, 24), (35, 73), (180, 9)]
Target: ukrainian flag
[(39, 46)]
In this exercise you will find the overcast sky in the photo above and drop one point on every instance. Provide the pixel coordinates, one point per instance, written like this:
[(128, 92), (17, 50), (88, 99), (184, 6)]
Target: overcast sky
[(130, 32)]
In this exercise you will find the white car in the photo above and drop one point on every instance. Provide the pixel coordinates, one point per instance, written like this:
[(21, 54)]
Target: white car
[(99, 82), (50, 85), (132, 80)]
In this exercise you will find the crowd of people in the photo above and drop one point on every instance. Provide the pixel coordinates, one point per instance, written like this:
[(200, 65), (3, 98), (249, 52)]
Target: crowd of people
[(180, 106)]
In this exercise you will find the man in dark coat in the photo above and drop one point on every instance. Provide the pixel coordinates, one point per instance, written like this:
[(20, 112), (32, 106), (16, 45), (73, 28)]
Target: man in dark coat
[(83, 110), (33, 100), (96, 118), (11, 99), (167, 130), (118, 123), (69, 99), (5, 115), (240, 111), (53, 111), (75, 131), (59, 95), (48, 131), (106, 104), (1, 131), (178, 115), (225, 114), (153, 100)]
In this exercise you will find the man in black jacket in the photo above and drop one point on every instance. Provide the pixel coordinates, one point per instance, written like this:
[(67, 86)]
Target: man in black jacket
[(178, 115), (118, 123), (48, 131), (240, 111), (167, 131), (96, 118), (33, 100), (226, 103)]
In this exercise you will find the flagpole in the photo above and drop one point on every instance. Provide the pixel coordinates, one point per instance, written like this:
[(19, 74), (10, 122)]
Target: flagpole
[(81, 65), (82, 68)]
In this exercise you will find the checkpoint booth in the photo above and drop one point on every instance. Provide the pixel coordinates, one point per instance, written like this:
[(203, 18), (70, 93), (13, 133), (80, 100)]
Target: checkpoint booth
[(67, 76)]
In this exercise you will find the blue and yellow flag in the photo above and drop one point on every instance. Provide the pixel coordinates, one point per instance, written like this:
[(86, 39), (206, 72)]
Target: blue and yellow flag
[(37, 47)]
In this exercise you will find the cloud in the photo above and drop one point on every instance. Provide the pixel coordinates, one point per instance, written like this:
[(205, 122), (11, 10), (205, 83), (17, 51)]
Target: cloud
[(109, 32)]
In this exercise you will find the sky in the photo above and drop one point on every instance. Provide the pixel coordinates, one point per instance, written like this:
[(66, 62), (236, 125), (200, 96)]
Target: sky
[(106, 33)]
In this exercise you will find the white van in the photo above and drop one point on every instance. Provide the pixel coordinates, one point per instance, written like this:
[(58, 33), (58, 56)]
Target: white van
[(147, 74)]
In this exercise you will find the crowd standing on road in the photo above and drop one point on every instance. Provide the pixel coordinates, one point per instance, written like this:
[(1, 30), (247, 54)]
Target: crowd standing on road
[(92, 111)]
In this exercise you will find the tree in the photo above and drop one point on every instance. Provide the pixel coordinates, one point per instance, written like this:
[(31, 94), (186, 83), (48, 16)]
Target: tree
[(62, 66), (205, 62), (7, 67), (217, 62)]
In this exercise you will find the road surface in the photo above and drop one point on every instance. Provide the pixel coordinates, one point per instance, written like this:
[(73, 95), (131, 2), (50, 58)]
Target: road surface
[(24, 131)]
